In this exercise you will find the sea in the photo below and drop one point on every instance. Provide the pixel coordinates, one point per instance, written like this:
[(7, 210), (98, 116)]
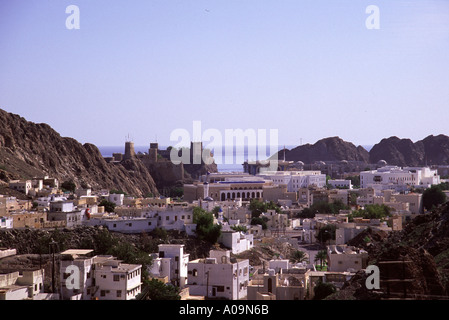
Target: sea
[(229, 161)]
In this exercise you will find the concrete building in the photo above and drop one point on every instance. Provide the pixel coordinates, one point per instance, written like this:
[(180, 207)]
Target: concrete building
[(6, 222), (99, 277), (116, 280), (116, 198), (343, 258), (65, 211), (399, 179), (25, 285), (295, 180), (279, 284), (23, 186), (340, 183), (219, 276), (170, 218), (171, 262), (238, 188), (237, 242)]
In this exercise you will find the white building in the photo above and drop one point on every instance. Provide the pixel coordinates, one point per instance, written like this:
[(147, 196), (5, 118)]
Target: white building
[(25, 285), (295, 180), (21, 185), (166, 218), (340, 183), (171, 262), (219, 276), (399, 179), (98, 277), (116, 198), (65, 211), (116, 280), (237, 242), (6, 222), (124, 224)]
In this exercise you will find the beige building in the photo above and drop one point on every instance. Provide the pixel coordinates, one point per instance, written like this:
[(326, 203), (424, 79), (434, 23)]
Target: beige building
[(288, 285), (245, 189), (343, 258), (25, 285)]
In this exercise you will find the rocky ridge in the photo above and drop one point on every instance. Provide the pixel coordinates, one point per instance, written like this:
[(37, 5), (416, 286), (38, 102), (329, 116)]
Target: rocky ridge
[(30, 150), (395, 151)]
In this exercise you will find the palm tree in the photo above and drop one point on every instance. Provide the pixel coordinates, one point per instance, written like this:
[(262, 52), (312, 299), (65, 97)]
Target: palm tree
[(298, 256), (321, 256)]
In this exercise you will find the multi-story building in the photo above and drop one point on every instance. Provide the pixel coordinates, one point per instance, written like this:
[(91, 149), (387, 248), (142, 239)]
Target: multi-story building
[(21, 185), (230, 189), (25, 285), (87, 277), (219, 276), (295, 180), (399, 179), (282, 283), (65, 211), (171, 262)]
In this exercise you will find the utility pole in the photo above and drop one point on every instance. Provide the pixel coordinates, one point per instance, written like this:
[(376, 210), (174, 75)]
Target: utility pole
[(52, 246), (207, 285)]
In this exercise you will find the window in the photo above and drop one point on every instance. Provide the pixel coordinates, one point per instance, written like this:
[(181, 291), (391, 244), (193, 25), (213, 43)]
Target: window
[(194, 272), (116, 277), (102, 293), (119, 293)]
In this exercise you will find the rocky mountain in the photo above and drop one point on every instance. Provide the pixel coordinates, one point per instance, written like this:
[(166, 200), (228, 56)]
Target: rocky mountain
[(404, 152), (28, 150), (423, 245), (328, 149), (395, 151)]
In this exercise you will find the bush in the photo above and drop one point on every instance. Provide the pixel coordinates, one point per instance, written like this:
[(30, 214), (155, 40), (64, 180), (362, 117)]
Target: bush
[(433, 197), (205, 227)]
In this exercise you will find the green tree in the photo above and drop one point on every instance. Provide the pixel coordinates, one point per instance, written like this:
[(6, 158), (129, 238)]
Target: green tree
[(321, 256), (239, 228), (433, 197), (108, 205), (323, 289), (258, 207), (372, 211), (157, 290), (298, 256), (205, 227), (261, 221), (68, 186), (326, 233)]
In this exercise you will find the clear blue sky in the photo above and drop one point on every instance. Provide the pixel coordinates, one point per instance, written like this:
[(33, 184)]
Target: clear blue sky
[(310, 69)]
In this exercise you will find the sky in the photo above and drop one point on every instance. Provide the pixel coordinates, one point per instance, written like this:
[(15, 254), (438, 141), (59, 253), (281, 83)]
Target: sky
[(309, 69)]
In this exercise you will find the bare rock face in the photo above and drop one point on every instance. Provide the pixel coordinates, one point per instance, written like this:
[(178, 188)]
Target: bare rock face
[(404, 152), (28, 150), (328, 149), (400, 152)]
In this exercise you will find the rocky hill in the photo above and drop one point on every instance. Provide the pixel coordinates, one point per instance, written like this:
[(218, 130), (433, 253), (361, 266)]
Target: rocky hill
[(404, 152), (28, 150), (395, 151), (423, 245), (328, 149)]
